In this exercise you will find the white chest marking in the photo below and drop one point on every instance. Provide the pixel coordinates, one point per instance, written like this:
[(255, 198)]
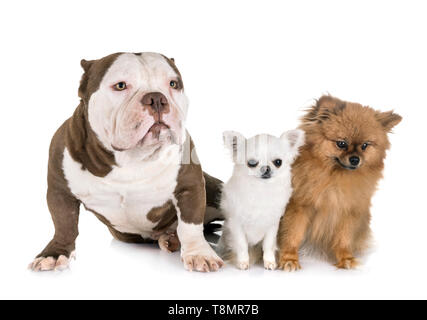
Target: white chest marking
[(255, 207), (127, 193)]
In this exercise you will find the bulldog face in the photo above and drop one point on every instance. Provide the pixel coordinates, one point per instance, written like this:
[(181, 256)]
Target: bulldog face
[(139, 104)]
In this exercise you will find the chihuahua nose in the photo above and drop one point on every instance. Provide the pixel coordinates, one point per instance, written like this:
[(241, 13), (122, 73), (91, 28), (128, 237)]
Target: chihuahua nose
[(155, 100), (265, 172), (354, 161)]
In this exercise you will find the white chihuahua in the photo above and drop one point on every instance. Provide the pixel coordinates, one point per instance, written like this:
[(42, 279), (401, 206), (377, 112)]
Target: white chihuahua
[(255, 197)]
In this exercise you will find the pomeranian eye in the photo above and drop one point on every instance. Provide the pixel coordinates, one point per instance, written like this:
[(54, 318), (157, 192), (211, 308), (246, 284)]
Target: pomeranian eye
[(342, 144), (252, 163), (277, 162), (364, 146), (120, 86)]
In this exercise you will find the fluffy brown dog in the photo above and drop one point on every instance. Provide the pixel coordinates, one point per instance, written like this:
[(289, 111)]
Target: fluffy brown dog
[(334, 179)]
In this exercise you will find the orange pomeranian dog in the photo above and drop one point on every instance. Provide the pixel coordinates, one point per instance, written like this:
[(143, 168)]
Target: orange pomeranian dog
[(334, 179)]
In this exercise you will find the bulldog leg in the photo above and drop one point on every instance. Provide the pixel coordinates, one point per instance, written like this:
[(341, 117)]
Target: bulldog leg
[(65, 215), (190, 204)]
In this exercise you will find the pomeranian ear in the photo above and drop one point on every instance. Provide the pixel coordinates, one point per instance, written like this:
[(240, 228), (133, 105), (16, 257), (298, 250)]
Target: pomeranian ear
[(325, 107), (295, 137), (235, 143), (388, 119)]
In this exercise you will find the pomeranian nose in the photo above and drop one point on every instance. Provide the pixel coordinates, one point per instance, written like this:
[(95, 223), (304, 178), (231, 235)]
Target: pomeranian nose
[(265, 172), (354, 161)]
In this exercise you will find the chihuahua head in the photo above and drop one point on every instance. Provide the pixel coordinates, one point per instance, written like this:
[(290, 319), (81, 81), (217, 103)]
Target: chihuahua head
[(263, 156)]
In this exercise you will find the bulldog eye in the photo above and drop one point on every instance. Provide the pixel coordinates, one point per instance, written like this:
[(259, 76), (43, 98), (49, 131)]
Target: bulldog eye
[(277, 162), (364, 146), (342, 144), (252, 163), (173, 84), (120, 86)]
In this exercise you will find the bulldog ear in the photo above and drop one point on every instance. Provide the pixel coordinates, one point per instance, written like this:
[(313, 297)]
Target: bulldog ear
[(235, 143), (388, 119), (296, 138), (86, 64), (85, 78)]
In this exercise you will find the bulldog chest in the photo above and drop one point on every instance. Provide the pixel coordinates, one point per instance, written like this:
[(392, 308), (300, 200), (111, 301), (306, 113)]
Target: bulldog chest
[(126, 195)]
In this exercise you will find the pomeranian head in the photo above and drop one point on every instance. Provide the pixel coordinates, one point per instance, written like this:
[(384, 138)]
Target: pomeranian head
[(263, 156), (348, 136)]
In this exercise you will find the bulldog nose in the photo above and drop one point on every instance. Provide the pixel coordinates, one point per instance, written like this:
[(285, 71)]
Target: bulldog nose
[(265, 172), (155, 100), (354, 161)]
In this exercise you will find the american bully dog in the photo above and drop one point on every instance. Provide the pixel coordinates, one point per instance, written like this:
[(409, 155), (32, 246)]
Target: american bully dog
[(126, 156)]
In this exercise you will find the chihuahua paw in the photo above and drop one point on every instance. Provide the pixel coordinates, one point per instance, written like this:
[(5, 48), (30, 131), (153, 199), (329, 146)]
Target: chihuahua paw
[(270, 265), (242, 265), (347, 263)]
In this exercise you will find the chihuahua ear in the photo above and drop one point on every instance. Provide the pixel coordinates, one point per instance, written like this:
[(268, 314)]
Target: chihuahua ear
[(388, 119), (296, 138), (234, 142)]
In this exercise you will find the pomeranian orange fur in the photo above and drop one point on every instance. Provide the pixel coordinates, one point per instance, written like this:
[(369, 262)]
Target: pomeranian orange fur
[(329, 210)]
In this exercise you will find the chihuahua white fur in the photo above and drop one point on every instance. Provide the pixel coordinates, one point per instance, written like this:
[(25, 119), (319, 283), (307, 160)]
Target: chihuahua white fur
[(255, 197)]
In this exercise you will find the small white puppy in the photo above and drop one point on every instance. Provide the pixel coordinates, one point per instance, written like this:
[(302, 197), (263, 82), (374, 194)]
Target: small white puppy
[(255, 197)]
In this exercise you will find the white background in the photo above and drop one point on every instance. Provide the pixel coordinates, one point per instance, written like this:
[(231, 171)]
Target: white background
[(247, 66)]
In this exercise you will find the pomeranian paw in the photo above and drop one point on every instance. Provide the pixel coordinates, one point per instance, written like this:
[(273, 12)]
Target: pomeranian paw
[(242, 265), (270, 265), (289, 265), (347, 263)]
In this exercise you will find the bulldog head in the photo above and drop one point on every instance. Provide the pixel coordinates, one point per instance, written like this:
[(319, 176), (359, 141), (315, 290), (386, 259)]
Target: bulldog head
[(134, 101)]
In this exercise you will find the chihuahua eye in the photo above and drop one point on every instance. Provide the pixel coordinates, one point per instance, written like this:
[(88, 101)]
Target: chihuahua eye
[(252, 163), (277, 162), (342, 144), (364, 146), (173, 84), (120, 86)]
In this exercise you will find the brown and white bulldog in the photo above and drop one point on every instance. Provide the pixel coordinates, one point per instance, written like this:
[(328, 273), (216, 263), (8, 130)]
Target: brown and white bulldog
[(126, 156)]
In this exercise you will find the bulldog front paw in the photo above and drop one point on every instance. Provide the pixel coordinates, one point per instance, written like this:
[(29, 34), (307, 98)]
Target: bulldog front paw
[(50, 263), (347, 263), (202, 262)]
